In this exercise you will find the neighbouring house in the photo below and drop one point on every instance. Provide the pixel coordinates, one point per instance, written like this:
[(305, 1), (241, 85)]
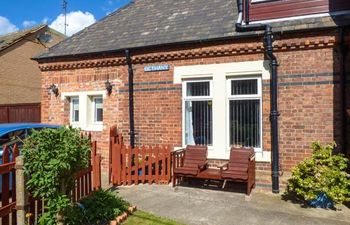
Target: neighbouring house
[(194, 79), (20, 78)]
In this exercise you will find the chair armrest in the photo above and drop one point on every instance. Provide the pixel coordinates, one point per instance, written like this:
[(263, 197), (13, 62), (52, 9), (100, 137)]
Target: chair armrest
[(178, 150), (203, 165), (222, 166)]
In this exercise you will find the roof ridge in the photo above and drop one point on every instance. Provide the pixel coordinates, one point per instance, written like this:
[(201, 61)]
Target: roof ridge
[(25, 31), (15, 37)]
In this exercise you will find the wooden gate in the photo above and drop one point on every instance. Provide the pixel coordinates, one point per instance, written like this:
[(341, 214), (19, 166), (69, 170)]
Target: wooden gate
[(138, 165)]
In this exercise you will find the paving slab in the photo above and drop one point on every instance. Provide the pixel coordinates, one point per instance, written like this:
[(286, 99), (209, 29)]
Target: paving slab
[(214, 207)]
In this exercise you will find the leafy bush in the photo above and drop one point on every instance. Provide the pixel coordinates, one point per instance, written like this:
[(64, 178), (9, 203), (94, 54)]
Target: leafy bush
[(51, 159), (324, 172), (99, 207)]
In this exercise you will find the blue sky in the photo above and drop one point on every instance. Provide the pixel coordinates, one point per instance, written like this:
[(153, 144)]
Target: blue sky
[(16, 15)]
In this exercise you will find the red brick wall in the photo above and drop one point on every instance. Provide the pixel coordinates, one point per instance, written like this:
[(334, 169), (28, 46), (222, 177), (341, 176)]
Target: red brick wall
[(308, 97)]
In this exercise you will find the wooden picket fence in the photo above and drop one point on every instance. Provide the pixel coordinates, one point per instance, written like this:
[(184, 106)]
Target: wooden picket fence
[(8, 187), (138, 165), (86, 181)]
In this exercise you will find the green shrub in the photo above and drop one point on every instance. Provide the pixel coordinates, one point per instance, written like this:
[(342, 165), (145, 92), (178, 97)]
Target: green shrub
[(324, 172), (99, 207), (51, 159)]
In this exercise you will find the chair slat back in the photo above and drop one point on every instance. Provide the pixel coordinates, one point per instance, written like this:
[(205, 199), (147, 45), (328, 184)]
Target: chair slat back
[(195, 155), (240, 156)]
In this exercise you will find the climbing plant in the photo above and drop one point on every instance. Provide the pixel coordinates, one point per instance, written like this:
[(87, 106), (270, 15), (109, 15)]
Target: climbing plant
[(52, 157), (323, 173)]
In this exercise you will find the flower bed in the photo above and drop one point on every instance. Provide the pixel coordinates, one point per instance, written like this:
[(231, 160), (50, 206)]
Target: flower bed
[(121, 218), (98, 208)]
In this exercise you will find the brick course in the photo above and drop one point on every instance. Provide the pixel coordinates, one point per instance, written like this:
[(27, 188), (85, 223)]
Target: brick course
[(309, 96)]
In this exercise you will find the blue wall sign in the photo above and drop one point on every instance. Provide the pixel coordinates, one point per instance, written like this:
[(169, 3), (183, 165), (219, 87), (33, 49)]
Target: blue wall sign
[(154, 68)]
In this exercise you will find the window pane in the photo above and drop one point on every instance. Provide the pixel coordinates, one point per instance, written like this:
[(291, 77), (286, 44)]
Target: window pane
[(198, 88), (75, 109), (245, 123), (198, 123), (76, 115), (75, 104), (98, 103), (99, 115), (244, 87)]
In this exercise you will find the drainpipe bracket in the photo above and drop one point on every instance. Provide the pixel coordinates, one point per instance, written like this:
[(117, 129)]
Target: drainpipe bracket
[(274, 115)]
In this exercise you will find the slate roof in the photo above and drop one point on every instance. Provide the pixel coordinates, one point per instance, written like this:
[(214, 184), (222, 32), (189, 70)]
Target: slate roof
[(145, 23), (12, 38)]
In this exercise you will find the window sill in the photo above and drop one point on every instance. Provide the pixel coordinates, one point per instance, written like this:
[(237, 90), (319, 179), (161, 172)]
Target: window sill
[(75, 125), (264, 156), (91, 127), (94, 127)]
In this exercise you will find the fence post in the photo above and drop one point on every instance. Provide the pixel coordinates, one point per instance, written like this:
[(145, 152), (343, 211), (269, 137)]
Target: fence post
[(96, 166), (21, 193)]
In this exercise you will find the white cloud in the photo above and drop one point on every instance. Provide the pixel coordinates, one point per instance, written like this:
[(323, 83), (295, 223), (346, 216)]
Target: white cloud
[(28, 23), (6, 26), (46, 20), (76, 20)]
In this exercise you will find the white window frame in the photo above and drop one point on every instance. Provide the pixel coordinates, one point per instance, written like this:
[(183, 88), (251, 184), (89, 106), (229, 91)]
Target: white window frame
[(94, 109), (72, 109), (85, 112), (194, 98), (230, 97), (219, 73)]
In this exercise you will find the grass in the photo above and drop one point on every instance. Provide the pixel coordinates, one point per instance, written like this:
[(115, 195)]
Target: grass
[(144, 218)]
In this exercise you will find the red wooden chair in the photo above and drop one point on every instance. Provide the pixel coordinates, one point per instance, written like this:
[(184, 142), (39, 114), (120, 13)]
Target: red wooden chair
[(194, 161), (241, 167)]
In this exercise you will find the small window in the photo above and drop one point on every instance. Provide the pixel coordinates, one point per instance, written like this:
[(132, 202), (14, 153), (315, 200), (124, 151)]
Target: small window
[(198, 89), (74, 110), (98, 109), (244, 87)]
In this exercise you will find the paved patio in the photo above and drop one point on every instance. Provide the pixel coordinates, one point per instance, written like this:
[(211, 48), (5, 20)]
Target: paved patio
[(212, 207)]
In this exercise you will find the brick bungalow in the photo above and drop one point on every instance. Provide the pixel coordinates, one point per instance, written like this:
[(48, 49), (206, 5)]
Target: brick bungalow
[(199, 81)]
